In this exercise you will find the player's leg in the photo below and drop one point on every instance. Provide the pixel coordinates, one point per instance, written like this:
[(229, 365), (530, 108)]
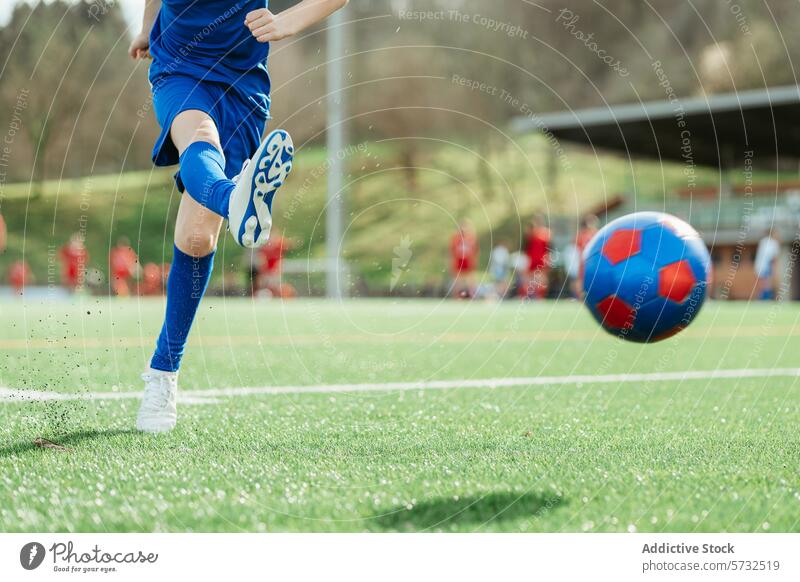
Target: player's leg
[(458, 283), (248, 204), (121, 288), (210, 195), (197, 227), (472, 283), (196, 234)]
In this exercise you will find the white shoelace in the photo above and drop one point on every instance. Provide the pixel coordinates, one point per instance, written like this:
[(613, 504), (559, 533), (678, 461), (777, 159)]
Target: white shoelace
[(158, 387)]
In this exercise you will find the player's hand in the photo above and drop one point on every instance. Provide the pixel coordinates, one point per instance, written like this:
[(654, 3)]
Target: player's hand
[(140, 47), (268, 27)]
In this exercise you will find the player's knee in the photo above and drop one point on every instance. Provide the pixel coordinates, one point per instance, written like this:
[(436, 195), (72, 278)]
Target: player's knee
[(208, 135), (193, 126), (196, 242)]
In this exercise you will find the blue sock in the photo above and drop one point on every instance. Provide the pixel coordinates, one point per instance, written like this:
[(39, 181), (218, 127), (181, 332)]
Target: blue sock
[(187, 282), (203, 175)]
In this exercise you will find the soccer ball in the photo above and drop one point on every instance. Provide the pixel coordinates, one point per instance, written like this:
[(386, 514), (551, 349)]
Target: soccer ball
[(645, 276)]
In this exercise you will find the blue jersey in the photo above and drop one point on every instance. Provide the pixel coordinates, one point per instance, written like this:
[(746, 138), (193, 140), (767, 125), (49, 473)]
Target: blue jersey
[(207, 40)]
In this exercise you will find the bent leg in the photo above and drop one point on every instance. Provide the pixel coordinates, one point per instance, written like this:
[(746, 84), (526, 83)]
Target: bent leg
[(196, 233), (202, 163)]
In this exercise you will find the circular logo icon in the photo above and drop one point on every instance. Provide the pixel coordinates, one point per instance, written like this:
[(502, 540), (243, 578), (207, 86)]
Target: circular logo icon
[(31, 555)]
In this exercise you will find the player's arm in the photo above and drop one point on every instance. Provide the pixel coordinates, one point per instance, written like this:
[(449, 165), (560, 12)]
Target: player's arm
[(140, 45), (268, 27)]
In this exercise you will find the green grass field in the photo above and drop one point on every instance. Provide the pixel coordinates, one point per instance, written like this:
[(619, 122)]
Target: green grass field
[(563, 455)]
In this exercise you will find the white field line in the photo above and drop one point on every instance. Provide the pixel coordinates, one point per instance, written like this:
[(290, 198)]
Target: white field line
[(209, 396)]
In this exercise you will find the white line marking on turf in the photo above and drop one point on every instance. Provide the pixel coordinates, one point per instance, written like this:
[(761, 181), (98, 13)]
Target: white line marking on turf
[(209, 396)]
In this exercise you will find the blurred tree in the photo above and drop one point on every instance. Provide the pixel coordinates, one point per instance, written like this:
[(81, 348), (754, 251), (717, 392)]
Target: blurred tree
[(67, 64), (88, 107)]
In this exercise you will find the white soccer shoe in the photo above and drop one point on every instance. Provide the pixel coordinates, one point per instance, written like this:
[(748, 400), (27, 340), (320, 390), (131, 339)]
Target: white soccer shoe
[(158, 411), (250, 206)]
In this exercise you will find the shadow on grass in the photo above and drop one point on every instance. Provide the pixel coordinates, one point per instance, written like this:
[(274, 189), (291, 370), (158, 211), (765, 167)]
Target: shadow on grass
[(67, 440), (443, 513)]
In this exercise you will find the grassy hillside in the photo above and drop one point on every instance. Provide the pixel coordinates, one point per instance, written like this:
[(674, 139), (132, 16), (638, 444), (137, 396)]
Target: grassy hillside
[(387, 205)]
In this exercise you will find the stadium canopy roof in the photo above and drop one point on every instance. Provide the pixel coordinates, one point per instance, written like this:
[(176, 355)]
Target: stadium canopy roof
[(714, 130)]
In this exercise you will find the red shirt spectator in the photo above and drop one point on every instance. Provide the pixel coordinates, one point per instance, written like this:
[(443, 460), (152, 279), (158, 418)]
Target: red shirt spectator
[(123, 261), (538, 248), (464, 251), (272, 255), (152, 280), (74, 258), (19, 275)]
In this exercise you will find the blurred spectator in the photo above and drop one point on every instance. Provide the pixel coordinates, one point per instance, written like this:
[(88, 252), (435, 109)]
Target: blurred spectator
[(270, 262), (500, 267), (152, 280), (124, 264), (19, 275), (74, 258), (464, 252), (537, 249), (767, 253), (3, 235), (586, 231)]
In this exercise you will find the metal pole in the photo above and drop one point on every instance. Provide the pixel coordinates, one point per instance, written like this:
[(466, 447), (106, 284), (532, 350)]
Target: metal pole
[(335, 284)]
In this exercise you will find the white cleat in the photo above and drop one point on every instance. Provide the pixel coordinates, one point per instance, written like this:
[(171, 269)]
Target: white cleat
[(250, 206), (158, 411)]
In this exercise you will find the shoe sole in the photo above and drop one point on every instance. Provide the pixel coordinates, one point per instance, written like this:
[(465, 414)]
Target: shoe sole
[(154, 428), (250, 211), (155, 423)]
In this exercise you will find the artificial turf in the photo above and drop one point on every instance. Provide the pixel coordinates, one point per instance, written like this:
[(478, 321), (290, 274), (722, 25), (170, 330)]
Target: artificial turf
[(679, 455)]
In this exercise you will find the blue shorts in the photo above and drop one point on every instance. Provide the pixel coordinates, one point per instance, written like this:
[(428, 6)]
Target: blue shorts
[(240, 119)]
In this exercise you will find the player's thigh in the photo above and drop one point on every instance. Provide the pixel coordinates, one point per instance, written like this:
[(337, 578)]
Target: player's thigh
[(194, 125), (196, 228)]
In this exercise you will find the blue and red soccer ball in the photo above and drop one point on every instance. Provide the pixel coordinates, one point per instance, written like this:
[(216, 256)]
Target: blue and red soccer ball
[(645, 276)]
